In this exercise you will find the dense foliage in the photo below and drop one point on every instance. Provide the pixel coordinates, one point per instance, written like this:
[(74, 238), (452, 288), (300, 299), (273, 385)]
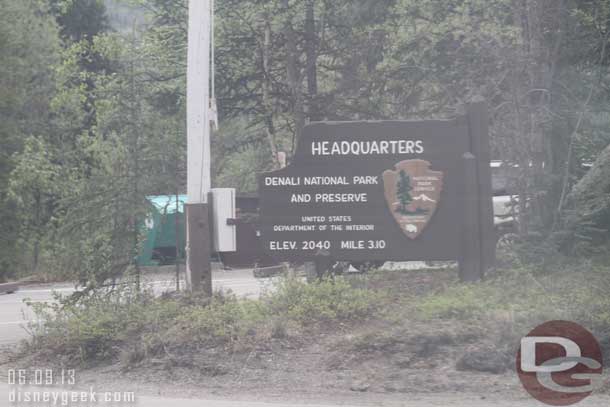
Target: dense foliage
[(92, 105)]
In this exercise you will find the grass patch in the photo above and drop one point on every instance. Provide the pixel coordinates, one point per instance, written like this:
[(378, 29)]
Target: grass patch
[(106, 325), (386, 311), (460, 302), (524, 297)]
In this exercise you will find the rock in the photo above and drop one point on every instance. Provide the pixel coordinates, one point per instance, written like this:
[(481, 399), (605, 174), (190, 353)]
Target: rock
[(404, 363), (360, 386), (484, 358), (390, 388), (272, 271), (9, 288)]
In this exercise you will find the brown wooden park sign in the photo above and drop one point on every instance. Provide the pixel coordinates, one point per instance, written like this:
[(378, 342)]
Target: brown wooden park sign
[(385, 191)]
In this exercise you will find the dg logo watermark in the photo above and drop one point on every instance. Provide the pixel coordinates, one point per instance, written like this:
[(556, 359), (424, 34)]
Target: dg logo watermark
[(560, 363)]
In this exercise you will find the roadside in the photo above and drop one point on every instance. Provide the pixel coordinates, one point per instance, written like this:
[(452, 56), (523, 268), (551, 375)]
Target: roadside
[(15, 314), (385, 336)]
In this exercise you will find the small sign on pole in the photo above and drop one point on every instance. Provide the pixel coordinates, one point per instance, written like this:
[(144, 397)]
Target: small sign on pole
[(224, 213)]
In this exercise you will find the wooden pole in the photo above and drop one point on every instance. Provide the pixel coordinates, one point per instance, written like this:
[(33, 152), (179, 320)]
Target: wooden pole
[(479, 146), (471, 260), (177, 237), (198, 267)]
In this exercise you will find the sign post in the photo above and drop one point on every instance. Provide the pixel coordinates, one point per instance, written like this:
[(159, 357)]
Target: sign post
[(198, 267), (471, 258), (479, 139), (385, 191)]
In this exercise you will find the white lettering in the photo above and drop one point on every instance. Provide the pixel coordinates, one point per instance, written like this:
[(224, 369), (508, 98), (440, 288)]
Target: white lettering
[(300, 198), (368, 180), (319, 148), (341, 198), (282, 246), (367, 147)]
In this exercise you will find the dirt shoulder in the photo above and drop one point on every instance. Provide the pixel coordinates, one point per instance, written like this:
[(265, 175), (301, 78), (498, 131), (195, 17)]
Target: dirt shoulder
[(392, 356)]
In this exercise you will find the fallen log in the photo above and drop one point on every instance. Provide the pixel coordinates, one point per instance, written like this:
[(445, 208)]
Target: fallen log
[(9, 288)]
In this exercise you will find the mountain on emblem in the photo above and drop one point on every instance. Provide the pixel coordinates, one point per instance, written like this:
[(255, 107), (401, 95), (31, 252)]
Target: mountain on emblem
[(423, 197), (412, 192)]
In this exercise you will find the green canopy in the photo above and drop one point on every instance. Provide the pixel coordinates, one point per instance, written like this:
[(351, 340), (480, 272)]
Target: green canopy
[(159, 230)]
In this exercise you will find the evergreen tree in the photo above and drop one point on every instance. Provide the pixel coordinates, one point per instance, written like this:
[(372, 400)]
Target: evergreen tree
[(403, 192), (80, 19), (29, 47)]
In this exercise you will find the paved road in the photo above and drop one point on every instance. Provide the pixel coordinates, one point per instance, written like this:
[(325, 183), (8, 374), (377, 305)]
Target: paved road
[(15, 314), (432, 401), (9, 393)]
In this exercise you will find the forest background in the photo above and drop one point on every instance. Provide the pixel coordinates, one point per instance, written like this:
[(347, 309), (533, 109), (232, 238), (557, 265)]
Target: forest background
[(92, 109)]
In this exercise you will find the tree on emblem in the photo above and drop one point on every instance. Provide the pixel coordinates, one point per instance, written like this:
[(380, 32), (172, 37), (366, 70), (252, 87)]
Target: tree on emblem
[(403, 192)]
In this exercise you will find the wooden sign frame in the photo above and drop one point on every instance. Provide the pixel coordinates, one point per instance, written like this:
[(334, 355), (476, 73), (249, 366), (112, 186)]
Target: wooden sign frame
[(387, 190)]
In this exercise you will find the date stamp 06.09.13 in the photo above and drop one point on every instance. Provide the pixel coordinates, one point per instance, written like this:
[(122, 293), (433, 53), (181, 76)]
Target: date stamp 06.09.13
[(57, 387)]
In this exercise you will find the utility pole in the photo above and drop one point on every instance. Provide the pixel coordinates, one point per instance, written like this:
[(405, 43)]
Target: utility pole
[(198, 265)]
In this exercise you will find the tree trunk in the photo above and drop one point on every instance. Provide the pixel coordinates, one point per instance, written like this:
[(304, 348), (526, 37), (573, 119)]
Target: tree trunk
[(293, 76), (267, 102), (589, 202), (37, 232), (135, 158), (312, 60), (537, 63), (177, 237)]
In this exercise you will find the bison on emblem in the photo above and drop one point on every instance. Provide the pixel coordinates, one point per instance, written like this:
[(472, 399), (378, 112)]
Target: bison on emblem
[(411, 228)]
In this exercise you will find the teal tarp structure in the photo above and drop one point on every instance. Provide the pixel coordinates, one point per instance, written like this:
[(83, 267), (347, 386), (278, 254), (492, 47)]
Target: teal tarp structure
[(159, 230)]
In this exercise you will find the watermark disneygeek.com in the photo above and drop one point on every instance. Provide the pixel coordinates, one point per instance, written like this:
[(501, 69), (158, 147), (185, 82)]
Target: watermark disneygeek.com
[(22, 397), (49, 387)]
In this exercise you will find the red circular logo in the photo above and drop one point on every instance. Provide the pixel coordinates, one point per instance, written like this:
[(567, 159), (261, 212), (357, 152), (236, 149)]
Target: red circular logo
[(559, 363)]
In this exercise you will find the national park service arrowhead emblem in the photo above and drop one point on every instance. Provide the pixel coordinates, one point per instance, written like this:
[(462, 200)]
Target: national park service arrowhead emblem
[(412, 192)]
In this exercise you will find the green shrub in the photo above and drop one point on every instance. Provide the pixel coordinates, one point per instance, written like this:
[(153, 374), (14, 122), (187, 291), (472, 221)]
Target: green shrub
[(459, 302), (224, 320), (326, 300), (92, 328), (105, 325)]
